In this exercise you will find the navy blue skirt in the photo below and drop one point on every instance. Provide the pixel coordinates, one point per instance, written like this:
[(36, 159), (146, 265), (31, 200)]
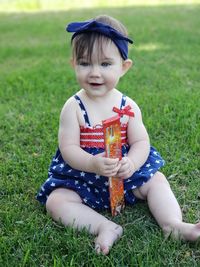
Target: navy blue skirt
[(92, 188)]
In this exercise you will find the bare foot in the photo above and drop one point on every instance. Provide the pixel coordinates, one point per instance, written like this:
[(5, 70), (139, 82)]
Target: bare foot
[(187, 231), (109, 233)]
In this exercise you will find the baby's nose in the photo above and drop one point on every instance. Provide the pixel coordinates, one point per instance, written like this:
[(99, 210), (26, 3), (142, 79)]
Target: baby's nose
[(95, 71)]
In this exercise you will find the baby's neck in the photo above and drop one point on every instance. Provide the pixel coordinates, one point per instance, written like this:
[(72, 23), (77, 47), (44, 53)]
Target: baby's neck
[(99, 100), (100, 109)]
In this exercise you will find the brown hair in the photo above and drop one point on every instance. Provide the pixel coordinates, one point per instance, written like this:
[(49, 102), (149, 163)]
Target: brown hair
[(84, 42)]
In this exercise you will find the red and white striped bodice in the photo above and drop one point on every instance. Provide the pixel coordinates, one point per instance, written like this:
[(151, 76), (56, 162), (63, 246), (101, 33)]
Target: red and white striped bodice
[(93, 136)]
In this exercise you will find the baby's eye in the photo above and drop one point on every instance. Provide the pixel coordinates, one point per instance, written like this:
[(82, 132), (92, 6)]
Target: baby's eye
[(84, 63), (105, 64)]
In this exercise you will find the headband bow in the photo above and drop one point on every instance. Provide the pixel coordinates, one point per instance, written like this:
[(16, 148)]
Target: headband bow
[(120, 40)]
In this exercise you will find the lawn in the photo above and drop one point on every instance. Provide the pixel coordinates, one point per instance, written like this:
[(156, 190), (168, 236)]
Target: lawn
[(35, 81)]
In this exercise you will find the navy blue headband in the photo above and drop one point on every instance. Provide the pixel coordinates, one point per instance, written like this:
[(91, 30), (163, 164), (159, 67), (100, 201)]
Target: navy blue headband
[(120, 40)]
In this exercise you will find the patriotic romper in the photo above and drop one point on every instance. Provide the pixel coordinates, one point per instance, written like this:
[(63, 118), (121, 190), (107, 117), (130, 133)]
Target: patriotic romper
[(92, 188)]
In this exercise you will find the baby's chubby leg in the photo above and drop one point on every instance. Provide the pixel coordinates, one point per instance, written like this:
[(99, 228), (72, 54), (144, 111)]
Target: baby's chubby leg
[(165, 208), (66, 206)]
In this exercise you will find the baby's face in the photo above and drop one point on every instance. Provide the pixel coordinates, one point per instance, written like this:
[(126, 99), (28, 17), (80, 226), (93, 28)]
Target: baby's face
[(101, 73)]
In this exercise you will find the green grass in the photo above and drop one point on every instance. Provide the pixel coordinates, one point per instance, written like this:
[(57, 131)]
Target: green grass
[(35, 81), (42, 5)]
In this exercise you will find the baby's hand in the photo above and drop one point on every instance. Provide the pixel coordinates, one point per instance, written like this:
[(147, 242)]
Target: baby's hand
[(105, 166), (127, 168)]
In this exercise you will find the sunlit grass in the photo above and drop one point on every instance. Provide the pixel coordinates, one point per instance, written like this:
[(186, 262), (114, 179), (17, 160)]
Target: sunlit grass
[(45, 5), (150, 47)]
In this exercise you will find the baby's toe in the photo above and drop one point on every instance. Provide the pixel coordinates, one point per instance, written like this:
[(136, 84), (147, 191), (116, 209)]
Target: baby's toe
[(102, 249)]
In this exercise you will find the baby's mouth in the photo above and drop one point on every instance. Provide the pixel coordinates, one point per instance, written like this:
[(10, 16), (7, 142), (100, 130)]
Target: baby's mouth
[(95, 84)]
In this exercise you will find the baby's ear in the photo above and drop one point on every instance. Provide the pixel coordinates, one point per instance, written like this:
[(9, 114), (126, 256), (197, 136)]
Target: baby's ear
[(126, 65), (72, 62)]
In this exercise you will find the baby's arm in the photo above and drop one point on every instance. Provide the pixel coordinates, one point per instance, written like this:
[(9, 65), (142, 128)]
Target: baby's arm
[(69, 144), (138, 140)]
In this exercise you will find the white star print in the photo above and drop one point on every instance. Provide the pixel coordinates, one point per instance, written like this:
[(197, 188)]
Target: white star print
[(148, 165), (62, 165), (53, 184), (82, 174), (97, 177)]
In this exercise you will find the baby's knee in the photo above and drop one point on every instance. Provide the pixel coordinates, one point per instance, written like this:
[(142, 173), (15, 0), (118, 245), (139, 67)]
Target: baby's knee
[(53, 201), (60, 196), (159, 178), (154, 182)]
